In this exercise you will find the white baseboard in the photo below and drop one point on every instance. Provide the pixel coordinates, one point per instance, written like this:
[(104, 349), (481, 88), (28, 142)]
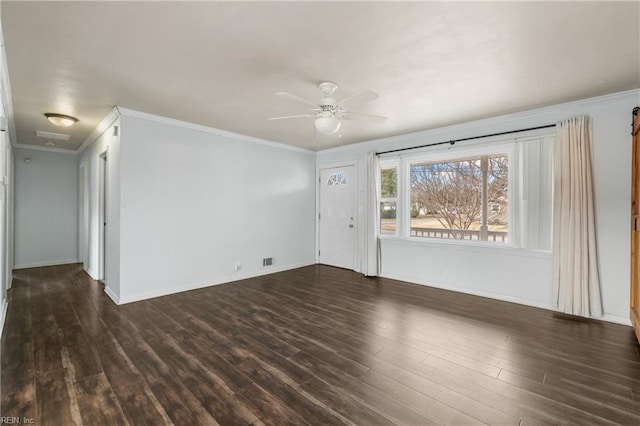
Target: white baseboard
[(472, 291), (506, 298), (224, 280), (92, 274), (51, 263), (112, 295), (617, 319), (3, 314)]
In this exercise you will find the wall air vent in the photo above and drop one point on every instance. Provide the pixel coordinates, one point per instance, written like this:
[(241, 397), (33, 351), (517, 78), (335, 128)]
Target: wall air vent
[(51, 135), (267, 261)]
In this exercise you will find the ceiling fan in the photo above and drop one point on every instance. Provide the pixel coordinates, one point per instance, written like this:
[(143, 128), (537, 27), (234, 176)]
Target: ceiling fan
[(329, 112)]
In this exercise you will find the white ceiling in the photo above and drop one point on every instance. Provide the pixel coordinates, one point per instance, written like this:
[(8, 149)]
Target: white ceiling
[(220, 64)]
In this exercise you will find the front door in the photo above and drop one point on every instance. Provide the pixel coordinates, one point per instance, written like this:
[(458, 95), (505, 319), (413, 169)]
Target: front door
[(337, 220)]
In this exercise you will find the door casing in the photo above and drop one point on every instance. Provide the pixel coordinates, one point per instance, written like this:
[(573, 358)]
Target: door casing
[(635, 228)]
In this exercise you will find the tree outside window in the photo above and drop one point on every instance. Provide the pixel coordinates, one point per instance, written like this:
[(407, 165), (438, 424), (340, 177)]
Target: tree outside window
[(466, 198), (388, 200)]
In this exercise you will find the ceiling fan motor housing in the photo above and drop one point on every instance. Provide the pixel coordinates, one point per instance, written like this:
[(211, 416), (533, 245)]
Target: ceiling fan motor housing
[(329, 106)]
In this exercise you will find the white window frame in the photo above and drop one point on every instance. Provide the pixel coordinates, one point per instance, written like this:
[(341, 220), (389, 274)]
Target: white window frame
[(388, 164), (403, 212)]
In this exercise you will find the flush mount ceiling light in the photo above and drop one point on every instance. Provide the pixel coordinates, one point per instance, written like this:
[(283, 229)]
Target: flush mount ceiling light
[(61, 120)]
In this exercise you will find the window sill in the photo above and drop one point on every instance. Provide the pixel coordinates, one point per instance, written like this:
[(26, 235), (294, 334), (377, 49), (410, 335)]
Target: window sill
[(476, 246)]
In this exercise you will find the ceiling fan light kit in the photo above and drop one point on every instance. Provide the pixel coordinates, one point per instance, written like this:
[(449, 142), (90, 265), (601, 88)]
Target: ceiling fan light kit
[(329, 112), (327, 125)]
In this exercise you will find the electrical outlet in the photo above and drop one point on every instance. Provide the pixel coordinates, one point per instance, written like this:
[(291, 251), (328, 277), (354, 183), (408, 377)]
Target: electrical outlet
[(236, 267)]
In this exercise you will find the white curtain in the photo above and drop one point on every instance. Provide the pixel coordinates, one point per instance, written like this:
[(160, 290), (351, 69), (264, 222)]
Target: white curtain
[(370, 259), (576, 277)]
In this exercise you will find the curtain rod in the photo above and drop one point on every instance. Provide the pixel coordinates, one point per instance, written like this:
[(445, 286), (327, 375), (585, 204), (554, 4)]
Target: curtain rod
[(453, 142)]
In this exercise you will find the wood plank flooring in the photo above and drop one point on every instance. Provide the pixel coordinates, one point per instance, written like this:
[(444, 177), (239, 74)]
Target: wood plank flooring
[(316, 345)]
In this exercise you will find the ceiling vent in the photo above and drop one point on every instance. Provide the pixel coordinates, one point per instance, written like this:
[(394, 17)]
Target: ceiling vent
[(51, 135)]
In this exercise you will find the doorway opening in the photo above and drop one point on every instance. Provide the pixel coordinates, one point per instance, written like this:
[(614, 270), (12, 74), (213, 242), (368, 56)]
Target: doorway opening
[(102, 209), (83, 214)]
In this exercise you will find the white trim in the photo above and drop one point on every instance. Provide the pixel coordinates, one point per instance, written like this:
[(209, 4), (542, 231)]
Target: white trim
[(90, 272), (616, 319), (319, 167), (5, 91), (403, 206), (385, 164), (497, 296), (3, 315), (502, 120), (347, 163), (194, 286), (50, 263), (106, 122), (112, 295), (211, 130), (476, 247), (466, 290), (103, 203), (45, 148), (83, 213)]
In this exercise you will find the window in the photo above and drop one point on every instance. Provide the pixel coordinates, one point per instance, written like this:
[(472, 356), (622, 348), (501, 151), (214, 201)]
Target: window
[(336, 179), (497, 194), (461, 198), (388, 200)]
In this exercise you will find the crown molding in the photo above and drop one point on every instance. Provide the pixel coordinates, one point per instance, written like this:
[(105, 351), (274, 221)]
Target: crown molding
[(45, 148), (211, 130), (106, 122), (502, 120)]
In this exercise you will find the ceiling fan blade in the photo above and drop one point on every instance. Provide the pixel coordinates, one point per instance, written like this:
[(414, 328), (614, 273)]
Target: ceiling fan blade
[(358, 116), (291, 116), (358, 99), (298, 99)]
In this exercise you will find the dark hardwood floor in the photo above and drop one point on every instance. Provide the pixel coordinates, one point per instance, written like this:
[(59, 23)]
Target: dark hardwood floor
[(316, 345)]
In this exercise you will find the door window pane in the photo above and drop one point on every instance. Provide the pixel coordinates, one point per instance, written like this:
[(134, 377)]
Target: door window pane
[(336, 179)]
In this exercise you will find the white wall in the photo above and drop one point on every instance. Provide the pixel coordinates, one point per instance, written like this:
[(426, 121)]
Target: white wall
[(6, 221), (194, 201), (89, 210), (46, 208), (518, 274), (7, 136)]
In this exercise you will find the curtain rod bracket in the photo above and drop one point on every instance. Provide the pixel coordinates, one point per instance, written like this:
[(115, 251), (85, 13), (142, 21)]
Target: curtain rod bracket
[(452, 142)]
